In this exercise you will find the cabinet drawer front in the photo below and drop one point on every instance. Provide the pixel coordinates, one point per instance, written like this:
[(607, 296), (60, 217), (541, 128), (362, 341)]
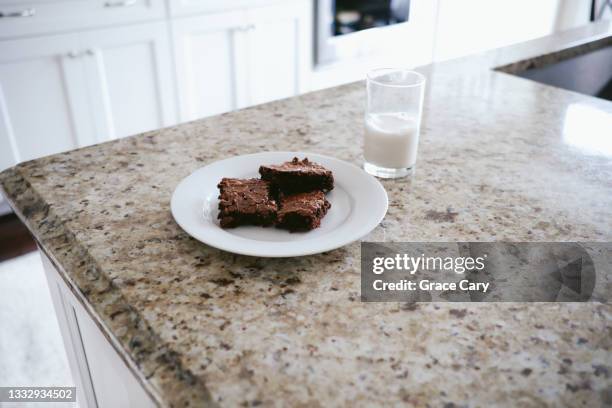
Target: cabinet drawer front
[(41, 17), (190, 7)]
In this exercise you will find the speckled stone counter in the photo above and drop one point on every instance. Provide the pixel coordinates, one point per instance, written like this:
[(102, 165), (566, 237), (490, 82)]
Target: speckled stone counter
[(500, 158)]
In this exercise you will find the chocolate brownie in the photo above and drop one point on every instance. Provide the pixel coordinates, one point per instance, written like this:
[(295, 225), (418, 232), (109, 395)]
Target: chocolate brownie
[(246, 202), (297, 176), (302, 211)]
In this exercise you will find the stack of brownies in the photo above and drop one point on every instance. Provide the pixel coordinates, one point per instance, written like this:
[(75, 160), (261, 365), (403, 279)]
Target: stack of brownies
[(290, 196)]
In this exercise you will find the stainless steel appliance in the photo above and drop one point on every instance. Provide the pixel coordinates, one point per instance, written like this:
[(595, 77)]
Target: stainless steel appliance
[(353, 28)]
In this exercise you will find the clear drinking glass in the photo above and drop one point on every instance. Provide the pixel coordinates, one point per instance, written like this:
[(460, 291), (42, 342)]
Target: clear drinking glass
[(392, 121)]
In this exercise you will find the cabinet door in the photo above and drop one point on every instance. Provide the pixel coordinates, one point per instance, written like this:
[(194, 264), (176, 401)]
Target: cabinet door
[(210, 68), (44, 107), (129, 78), (102, 378), (280, 50)]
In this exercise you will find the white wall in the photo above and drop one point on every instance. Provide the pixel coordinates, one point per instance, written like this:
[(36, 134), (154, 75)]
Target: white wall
[(470, 26)]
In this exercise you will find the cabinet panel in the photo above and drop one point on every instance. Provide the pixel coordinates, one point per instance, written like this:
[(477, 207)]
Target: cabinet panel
[(102, 377), (66, 319), (133, 95), (44, 97), (210, 85), (43, 108), (37, 17), (130, 79), (8, 151), (228, 61), (279, 50), (209, 51), (113, 383)]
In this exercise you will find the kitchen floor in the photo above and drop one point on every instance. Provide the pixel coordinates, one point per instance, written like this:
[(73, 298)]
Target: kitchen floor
[(15, 239), (31, 348)]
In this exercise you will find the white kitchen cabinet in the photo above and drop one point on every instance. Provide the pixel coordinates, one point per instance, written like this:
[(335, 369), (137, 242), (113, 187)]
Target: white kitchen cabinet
[(280, 50), (209, 57), (226, 61), (130, 79), (102, 377), (62, 92), (43, 106)]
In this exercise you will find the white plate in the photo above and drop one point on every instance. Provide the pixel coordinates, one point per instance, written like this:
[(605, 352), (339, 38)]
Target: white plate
[(358, 203)]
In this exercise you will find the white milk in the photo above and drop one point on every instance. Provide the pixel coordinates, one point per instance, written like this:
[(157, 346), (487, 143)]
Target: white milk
[(391, 140)]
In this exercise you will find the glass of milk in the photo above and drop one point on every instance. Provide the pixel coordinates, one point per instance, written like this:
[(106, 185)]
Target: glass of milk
[(392, 121)]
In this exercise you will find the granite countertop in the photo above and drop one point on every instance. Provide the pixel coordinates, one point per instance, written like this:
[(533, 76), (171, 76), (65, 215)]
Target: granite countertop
[(500, 158)]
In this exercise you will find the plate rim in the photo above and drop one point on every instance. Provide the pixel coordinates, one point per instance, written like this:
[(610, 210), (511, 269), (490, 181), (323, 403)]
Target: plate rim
[(361, 232)]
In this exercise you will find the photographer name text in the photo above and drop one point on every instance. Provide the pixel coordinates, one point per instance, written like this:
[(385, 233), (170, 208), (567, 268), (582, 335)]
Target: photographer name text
[(411, 265)]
